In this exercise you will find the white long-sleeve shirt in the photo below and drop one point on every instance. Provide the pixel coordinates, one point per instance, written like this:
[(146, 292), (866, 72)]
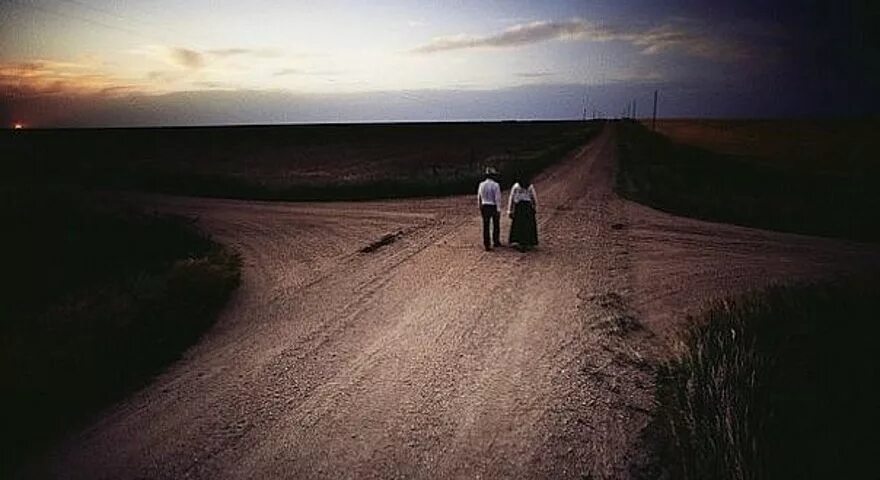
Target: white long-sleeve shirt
[(519, 194), (489, 193)]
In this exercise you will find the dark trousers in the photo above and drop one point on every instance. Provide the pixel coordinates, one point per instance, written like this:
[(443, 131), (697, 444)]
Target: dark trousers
[(490, 214)]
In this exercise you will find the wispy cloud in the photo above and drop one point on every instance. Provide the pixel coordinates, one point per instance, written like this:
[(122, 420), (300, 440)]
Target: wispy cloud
[(288, 71), (249, 52), (193, 59), (187, 58), (208, 85), (299, 71), (535, 74), (517, 35), (650, 41), (41, 78)]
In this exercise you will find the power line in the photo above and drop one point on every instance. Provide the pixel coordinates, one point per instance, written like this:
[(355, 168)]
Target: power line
[(654, 119), (135, 27), (70, 16), (154, 25)]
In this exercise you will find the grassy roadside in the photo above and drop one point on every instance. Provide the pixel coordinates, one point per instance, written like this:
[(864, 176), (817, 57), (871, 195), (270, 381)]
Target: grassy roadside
[(97, 297), (692, 181), (779, 384)]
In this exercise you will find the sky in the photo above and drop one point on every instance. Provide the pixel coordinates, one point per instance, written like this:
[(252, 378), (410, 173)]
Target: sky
[(86, 63)]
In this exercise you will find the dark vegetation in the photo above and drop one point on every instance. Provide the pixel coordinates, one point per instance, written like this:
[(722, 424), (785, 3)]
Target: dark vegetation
[(302, 162), (781, 383), (734, 186), (846, 147), (97, 297), (778, 384)]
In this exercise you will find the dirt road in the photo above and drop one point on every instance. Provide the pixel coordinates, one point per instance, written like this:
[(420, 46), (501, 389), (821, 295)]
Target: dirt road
[(429, 357)]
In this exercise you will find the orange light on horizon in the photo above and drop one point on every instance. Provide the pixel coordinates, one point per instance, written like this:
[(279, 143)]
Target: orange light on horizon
[(18, 126)]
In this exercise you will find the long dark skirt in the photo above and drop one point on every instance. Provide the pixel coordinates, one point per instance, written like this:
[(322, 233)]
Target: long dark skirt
[(524, 229)]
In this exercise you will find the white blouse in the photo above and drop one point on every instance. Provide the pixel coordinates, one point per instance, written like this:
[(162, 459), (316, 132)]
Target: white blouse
[(520, 194)]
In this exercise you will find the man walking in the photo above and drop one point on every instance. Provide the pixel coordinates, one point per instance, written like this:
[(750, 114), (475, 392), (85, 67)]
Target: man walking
[(489, 200)]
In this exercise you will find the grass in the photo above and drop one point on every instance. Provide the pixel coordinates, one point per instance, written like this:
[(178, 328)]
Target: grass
[(779, 384), (748, 190), (97, 297), (299, 162)]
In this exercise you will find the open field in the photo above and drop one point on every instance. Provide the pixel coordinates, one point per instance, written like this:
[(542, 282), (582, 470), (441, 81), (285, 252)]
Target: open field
[(296, 162), (378, 339), (849, 148), (833, 195)]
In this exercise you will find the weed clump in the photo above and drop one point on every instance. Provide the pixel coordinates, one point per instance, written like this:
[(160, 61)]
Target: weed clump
[(782, 383)]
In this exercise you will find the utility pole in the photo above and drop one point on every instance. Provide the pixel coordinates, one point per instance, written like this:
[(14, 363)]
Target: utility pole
[(654, 121), (635, 111), (584, 117)]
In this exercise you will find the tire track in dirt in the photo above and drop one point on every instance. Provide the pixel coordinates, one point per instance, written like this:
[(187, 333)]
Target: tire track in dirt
[(429, 357)]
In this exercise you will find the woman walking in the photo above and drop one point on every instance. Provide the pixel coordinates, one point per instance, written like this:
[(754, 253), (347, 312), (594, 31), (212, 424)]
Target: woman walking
[(521, 208)]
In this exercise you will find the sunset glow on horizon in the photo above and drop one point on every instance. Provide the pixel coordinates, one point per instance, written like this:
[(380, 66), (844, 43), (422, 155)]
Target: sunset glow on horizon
[(106, 62)]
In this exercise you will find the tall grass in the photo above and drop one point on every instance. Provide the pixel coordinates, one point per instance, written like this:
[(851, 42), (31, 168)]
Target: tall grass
[(97, 297), (782, 383)]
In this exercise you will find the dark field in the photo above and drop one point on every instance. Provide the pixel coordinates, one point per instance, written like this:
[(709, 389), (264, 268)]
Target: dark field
[(304, 162), (842, 147), (816, 178), (97, 297)]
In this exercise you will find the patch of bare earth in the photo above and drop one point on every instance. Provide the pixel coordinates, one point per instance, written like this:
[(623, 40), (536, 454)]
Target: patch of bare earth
[(428, 357)]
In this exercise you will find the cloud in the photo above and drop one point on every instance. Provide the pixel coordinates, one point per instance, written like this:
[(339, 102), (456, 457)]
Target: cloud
[(668, 38), (186, 58), (535, 74), (650, 41), (250, 52), (228, 52), (288, 71), (42, 78), (208, 85), (192, 59), (517, 35), (298, 71)]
